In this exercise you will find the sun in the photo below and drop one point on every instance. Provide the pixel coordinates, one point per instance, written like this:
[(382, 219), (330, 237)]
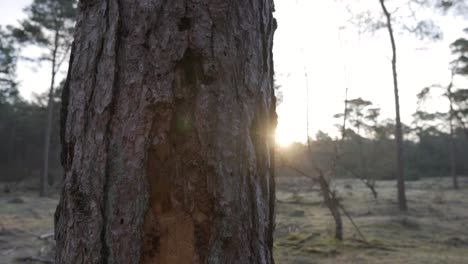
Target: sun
[(283, 138)]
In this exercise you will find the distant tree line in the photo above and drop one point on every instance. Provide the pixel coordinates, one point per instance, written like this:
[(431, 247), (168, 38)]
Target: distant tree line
[(368, 146), (26, 127), (22, 136)]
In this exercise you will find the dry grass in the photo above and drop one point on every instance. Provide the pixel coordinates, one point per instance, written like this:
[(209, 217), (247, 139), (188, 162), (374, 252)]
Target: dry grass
[(433, 231), (23, 219)]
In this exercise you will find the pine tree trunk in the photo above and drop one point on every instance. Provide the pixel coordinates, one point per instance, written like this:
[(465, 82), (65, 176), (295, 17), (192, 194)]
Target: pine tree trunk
[(453, 164), (398, 129), (49, 119), (167, 122), (332, 203), (47, 136)]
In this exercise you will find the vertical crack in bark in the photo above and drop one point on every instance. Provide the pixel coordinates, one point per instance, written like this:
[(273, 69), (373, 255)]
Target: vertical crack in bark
[(264, 37), (272, 122), (67, 147), (259, 182), (272, 187), (106, 250), (88, 111), (94, 76)]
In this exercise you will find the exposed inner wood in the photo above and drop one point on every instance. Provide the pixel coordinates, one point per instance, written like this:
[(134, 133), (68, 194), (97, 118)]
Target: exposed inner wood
[(167, 134)]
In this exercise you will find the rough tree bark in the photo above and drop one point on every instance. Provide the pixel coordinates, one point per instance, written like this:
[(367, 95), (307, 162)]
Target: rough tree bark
[(398, 130), (167, 122)]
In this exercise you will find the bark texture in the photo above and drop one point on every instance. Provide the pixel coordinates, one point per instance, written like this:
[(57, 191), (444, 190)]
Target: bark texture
[(167, 122)]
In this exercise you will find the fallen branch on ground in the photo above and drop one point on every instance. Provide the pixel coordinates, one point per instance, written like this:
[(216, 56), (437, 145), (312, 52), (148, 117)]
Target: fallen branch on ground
[(46, 236), (37, 259)]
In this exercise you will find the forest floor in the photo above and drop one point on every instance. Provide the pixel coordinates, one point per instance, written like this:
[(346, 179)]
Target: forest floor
[(26, 225), (434, 230)]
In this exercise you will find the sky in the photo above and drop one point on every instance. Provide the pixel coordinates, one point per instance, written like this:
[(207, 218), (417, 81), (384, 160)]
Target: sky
[(33, 77), (314, 39)]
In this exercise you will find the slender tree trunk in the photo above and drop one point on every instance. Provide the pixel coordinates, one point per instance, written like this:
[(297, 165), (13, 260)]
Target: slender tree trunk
[(167, 132), (49, 118), (453, 165), (362, 171), (345, 116), (307, 111), (398, 130), (332, 202), (453, 168)]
